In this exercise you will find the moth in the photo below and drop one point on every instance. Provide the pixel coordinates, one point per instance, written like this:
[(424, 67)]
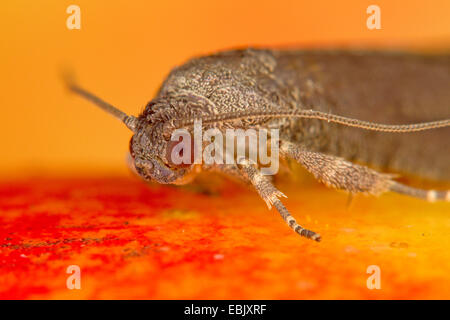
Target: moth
[(351, 118)]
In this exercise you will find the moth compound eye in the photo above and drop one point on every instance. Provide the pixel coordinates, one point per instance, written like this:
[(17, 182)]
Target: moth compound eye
[(143, 168), (131, 148), (180, 153)]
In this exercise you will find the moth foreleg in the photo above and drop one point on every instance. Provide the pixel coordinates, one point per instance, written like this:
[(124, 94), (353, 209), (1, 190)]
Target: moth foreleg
[(271, 196), (338, 173)]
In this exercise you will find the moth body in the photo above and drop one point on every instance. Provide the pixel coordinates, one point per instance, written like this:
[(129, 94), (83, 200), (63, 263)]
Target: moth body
[(327, 107), (374, 86)]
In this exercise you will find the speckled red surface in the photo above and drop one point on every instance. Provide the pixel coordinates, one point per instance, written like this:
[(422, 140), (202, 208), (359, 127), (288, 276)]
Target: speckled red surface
[(133, 240)]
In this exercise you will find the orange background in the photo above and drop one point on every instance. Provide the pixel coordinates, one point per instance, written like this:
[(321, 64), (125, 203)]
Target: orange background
[(125, 49), (216, 240)]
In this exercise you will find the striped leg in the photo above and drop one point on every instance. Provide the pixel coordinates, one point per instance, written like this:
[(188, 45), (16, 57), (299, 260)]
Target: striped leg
[(271, 196)]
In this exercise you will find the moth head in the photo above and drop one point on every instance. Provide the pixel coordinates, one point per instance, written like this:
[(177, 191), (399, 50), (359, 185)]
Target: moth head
[(155, 158), (150, 149)]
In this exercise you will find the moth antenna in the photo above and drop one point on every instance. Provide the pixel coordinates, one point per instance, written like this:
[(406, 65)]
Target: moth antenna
[(313, 114), (130, 121)]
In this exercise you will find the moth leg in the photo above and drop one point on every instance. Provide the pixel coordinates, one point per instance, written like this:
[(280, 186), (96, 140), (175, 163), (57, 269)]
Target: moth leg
[(428, 195), (271, 196), (338, 173), (341, 174)]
